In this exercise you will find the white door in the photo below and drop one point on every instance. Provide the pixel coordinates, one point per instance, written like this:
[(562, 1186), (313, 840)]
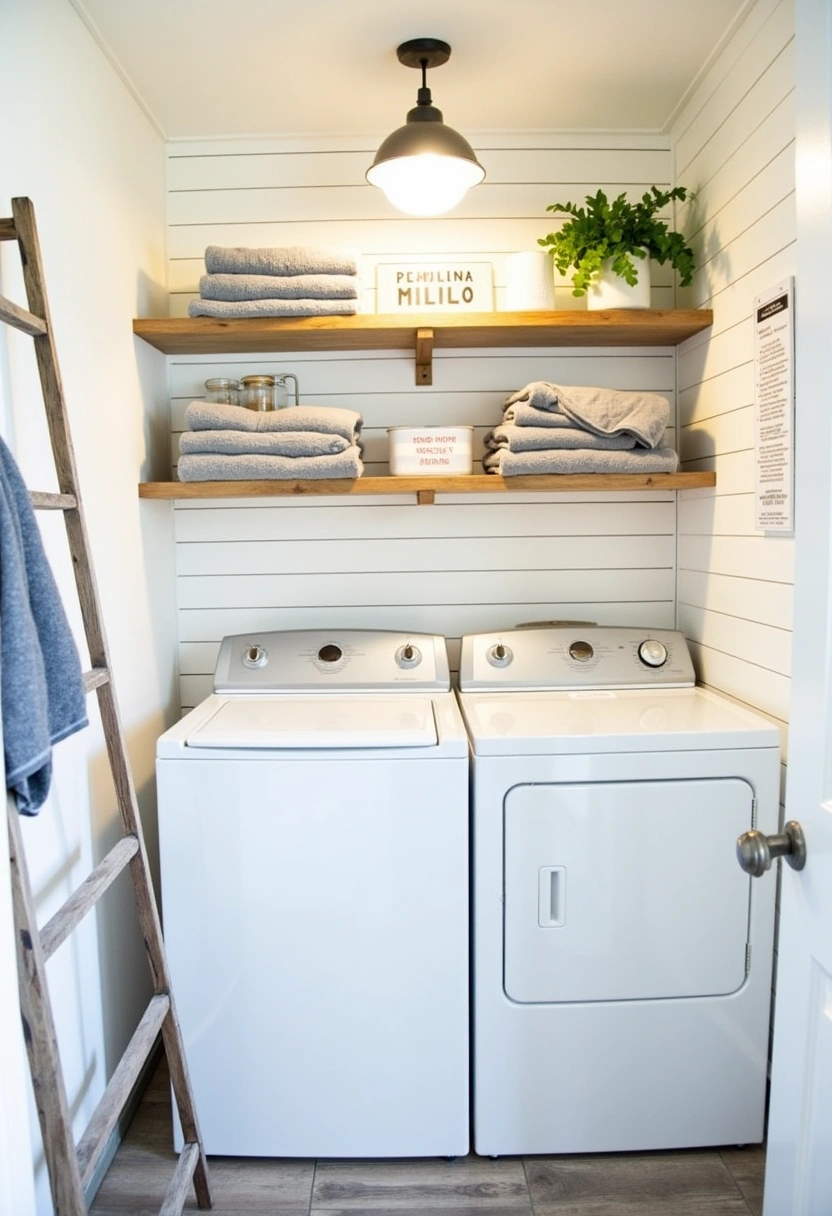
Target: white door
[(799, 1159)]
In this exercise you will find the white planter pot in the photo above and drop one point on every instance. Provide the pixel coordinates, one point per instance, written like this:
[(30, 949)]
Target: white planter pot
[(611, 291)]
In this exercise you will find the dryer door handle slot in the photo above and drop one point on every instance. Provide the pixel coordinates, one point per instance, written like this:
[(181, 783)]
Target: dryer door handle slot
[(551, 897)]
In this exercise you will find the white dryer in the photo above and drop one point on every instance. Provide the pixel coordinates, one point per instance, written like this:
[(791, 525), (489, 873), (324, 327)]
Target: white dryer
[(621, 958), (313, 822)]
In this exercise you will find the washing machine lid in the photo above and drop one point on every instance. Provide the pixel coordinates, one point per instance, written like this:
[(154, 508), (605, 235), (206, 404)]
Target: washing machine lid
[(308, 723), (598, 720)]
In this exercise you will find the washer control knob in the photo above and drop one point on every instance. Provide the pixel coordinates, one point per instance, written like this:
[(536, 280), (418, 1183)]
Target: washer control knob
[(408, 655), (330, 653), (653, 653), (499, 655), (255, 656), (582, 651)]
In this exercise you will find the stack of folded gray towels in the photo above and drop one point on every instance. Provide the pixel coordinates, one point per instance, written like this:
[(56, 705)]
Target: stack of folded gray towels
[(304, 442), (549, 428), (294, 281)]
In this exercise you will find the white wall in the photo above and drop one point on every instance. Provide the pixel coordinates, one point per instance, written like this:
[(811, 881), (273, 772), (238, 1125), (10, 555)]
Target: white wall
[(734, 146), (75, 142), (465, 564), (17, 1194)]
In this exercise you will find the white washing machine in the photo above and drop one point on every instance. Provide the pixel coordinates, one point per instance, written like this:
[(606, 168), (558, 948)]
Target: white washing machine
[(313, 822), (621, 958)]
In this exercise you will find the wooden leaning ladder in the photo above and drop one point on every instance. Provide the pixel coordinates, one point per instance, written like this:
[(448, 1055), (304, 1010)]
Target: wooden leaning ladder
[(71, 1168)]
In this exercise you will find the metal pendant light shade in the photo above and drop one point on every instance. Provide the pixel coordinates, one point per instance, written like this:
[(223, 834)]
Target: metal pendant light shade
[(425, 167)]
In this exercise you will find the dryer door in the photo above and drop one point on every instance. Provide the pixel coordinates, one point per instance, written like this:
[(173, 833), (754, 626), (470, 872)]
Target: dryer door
[(625, 890)]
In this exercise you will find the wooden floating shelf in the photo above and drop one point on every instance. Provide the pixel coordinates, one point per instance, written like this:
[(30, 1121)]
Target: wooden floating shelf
[(426, 488), (423, 334)]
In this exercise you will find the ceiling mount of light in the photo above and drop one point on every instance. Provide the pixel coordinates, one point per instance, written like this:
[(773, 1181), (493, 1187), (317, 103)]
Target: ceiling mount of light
[(424, 167)]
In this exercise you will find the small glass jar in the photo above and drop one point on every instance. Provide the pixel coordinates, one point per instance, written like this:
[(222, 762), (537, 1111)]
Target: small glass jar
[(257, 392), (222, 391), (282, 393)]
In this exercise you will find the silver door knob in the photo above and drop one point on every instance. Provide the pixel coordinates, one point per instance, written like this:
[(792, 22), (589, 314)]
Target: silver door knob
[(755, 851)]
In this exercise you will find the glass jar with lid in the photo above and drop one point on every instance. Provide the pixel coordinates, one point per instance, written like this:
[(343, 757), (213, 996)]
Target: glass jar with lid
[(257, 392), (222, 390), (282, 392)]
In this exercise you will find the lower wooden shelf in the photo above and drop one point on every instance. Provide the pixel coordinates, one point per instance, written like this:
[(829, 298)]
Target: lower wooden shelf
[(426, 488)]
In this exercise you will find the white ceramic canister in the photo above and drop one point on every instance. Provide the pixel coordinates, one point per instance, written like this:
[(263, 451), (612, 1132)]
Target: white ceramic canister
[(430, 451), (530, 284)]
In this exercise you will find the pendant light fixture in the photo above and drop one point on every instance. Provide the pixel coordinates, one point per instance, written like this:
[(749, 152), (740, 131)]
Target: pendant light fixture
[(424, 167)]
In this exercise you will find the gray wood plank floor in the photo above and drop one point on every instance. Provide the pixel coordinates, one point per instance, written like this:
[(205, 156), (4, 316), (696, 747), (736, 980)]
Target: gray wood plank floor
[(697, 1182)]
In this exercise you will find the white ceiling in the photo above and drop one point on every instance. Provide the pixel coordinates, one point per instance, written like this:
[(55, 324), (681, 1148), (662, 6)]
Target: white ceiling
[(205, 68)]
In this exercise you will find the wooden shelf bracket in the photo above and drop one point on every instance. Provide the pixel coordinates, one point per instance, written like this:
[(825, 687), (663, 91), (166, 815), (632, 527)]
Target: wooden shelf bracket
[(424, 356)]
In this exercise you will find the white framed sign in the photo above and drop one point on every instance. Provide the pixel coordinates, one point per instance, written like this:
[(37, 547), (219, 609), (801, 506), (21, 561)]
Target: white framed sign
[(434, 287), (774, 408)]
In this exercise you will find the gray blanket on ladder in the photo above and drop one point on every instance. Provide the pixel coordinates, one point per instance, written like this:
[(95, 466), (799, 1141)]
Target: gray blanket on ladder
[(42, 689)]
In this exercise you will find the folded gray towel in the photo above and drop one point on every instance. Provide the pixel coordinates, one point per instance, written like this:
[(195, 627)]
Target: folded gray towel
[(286, 260), (603, 411), (210, 466), (270, 287), (242, 309), (547, 439), (43, 695), (266, 443), (326, 419), (518, 464), (523, 414)]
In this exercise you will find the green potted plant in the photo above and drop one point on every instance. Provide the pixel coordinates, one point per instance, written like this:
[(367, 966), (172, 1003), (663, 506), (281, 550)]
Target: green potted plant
[(604, 243)]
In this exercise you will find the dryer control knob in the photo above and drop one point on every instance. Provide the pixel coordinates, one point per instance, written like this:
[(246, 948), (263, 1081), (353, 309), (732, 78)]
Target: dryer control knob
[(499, 655), (653, 653), (408, 655), (255, 656)]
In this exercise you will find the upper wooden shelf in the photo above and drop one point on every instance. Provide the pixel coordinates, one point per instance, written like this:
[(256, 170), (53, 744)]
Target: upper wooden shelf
[(423, 334), (426, 488)]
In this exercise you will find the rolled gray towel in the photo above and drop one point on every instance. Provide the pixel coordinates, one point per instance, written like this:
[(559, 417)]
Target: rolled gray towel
[(547, 439), (519, 464), (266, 443), (327, 419), (211, 466), (283, 260), (270, 287), (244, 309), (603, 411)]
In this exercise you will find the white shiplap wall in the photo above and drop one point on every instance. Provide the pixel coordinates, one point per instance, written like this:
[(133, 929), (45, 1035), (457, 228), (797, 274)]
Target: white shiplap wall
[(734, 146), (464, 564)]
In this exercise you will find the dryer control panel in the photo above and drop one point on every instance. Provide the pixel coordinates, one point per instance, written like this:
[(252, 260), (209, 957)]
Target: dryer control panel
[(569, 657), (337, 660)]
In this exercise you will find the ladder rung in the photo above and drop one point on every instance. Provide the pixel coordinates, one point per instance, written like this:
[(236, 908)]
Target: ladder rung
[(106, 1115), (180, 1183), (41, 500), (8, 229), (95, 678), (59, 927), (20, 319)]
